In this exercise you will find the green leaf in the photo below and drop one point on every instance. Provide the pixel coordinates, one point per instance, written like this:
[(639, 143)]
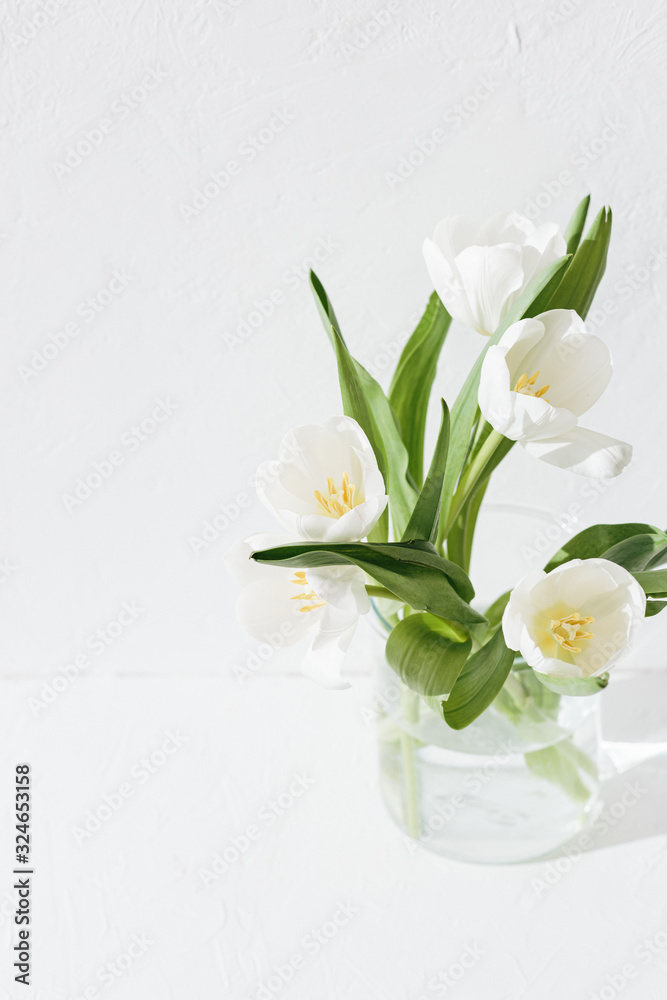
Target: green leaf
[(413, 571), (562, 764), (605, 541), (654, 582), (640, 552), (425, 516), (574, 686), (575, 226), (494, 614), (364, 400), (411, 385), (581, 280), (654, 608), (461, 534), (465, 409), (427, 653), (479, 683)]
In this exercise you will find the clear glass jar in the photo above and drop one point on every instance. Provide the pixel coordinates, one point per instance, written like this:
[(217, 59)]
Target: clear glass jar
[(518, 782)]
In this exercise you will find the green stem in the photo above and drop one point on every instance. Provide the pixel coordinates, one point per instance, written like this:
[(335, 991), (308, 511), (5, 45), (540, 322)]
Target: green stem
[(410, 702), (489, 456), (374, 590), (471, 476), (462, 532)]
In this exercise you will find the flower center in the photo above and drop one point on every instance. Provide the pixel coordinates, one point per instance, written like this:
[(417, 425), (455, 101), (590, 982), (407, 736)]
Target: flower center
[(338, 501), (526, 386), (569, 630), (310, 599)]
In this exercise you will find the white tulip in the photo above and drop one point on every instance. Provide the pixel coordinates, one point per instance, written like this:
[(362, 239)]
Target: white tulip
[(576, 620), (327, 487), (480, 271), (538, 380), (282, 606)]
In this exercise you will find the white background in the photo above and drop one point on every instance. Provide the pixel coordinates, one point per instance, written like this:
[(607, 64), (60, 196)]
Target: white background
[(133, 281)]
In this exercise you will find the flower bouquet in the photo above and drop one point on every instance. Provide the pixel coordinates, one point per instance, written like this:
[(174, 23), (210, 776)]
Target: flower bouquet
[(488, 721)]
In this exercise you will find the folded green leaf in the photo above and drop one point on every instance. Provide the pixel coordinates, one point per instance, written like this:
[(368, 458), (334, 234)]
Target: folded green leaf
[(465, 410), (411, 385), (413, 571), (605, 541), (364, 400), (581, 280), (428, 653), (479, 683), (577, 686), (654, 582), (575, 226), (640, 552), (424, 520)]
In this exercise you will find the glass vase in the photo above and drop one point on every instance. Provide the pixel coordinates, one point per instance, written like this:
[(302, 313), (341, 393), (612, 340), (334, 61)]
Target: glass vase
[(514, 785)]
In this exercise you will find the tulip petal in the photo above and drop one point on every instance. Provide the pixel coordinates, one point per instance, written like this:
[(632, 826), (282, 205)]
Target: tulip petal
[(355, 524), (456, 232), (266, 611), (515, 415), (547, 239), (489, 276), (583, 451), (343, 588), (323, 661), (447, 284), (576, 364), (518, 608), (506, 227), (603, 593), (245, 570), (312, 456)]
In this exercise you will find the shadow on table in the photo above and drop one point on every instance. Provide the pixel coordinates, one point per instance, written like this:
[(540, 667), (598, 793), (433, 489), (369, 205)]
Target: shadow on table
[(634, 792)]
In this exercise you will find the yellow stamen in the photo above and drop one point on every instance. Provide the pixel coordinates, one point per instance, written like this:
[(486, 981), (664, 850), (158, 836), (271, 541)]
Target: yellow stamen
[(311, 600), (568, 630), (338, 501), (526, 386)]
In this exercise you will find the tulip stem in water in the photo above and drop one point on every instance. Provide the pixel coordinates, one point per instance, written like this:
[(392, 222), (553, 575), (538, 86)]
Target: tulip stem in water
[(408, 743)]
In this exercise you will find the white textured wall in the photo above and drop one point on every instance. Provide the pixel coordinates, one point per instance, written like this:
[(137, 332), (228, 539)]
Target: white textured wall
[(142, 271)]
